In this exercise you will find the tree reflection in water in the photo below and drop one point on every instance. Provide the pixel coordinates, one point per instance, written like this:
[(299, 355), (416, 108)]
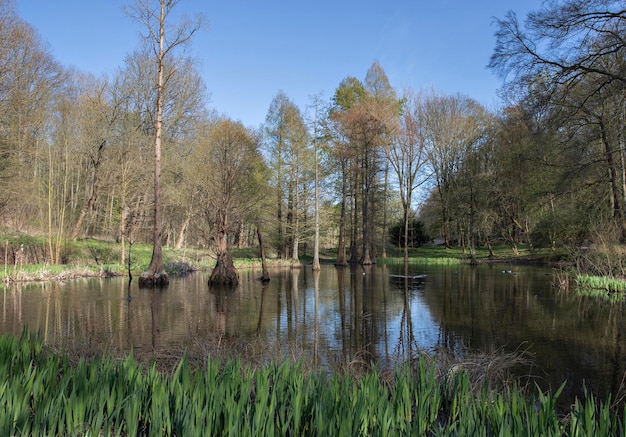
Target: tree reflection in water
[(338, 317)]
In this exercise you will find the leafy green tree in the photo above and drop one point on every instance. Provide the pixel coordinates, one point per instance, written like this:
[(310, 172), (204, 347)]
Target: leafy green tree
[(386, 105), (413, 235), (348, 94), (360, 120), (286, 141), (230, 176)]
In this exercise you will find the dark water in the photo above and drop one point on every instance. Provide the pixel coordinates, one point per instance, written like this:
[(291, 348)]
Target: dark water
[(337, 316)]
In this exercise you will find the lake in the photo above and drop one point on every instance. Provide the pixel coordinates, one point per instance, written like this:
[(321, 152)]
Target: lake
[(337, 316)]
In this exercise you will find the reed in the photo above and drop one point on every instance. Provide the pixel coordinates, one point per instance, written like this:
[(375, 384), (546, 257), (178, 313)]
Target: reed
[(43, 394), (607, 287), (48, 272)]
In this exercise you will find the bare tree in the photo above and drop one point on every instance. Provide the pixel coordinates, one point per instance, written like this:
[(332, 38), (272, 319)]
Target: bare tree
[(450, 124), (30, 81), (564, 42), (570, 56), (154, 16), (408, 157), (98, 114)]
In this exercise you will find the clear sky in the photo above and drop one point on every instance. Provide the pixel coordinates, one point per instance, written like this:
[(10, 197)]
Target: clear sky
[(254, 48)]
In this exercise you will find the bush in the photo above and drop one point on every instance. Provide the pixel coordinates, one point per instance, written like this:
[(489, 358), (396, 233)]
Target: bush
[(417, 233)]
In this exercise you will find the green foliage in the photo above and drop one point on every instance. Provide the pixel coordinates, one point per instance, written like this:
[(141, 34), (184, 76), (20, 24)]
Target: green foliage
[(417, 234), (605, 287), (441, 255), (41, 394), (563, 227), (608, 284), (349, 92), (100, 251)]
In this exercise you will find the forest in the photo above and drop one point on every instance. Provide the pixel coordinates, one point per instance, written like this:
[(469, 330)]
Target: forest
[(141, 157)]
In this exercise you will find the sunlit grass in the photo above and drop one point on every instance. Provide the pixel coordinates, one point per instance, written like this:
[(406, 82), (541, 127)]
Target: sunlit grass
[(610, 288), (43, 394), (423, 260), (48, 272), (100, 257)]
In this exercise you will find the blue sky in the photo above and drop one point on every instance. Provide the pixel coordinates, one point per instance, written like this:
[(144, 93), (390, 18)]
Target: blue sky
[(253, 49)]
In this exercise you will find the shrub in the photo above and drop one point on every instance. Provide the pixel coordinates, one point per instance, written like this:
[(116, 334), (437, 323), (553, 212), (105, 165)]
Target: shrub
[(417, 233)]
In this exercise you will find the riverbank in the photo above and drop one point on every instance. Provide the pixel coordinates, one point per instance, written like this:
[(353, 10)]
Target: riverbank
[(24, 258)]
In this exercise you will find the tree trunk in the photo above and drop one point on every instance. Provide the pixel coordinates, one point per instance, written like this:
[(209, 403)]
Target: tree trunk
[(94, 192), (472, 247), (224, 272), (156, 276), (279, 217), (383, 254), (295, 255), (618, 204), (316, 236), (354, 253), (183, 229), (82, 215), (123, 234), (265, 276), (367, 220), (341, 244), (406, 232)]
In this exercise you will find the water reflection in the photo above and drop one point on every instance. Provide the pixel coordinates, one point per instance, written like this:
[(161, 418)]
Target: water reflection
[(338, 316)]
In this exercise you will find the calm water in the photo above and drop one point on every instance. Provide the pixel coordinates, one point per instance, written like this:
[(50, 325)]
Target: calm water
[(340, 315)]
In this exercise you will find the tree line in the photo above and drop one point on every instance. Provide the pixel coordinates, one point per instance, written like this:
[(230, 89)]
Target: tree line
[(111, 157)]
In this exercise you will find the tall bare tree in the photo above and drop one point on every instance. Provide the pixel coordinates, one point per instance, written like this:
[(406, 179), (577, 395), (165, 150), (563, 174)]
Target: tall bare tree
[(450, 124), (30, 81), (155, 17), (408, 157), (98, 116)]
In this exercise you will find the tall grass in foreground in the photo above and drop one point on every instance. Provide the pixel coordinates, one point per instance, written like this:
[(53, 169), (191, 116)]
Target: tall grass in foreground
[(42, 394)]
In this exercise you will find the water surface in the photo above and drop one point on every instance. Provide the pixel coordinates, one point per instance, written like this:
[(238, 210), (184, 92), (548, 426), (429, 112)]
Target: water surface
[(384, 313)]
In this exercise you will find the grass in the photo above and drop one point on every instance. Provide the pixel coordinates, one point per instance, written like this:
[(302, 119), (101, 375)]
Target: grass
[(423, 260), (92, 257), (47, 272), (41, 393), (442, 255), (604, 287)]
